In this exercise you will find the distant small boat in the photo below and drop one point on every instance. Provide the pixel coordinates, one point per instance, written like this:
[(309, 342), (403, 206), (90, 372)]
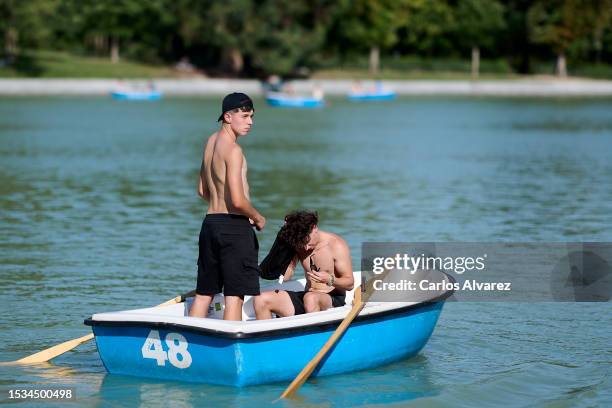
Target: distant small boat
[(289, 101), (137, 95), (377, 95)]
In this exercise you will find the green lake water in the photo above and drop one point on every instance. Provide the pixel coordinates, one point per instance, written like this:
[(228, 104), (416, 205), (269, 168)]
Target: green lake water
[(99, 212)]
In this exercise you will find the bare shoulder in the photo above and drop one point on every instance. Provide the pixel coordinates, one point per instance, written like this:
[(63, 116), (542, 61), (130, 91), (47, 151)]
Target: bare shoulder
[(337, 243), (232, 155), (212, 138), (342, 256), (234, 152), (211, 141)]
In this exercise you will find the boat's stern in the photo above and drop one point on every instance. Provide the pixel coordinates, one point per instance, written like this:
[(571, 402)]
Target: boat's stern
[(166, 351)]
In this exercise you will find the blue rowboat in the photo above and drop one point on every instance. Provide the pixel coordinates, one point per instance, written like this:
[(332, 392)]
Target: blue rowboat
[(380, 95), (165, 343), (137, 96), (289, 101)]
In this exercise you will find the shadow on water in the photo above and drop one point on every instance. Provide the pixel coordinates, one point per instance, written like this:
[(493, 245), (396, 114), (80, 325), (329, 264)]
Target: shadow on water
[(400, 382), (554, 126)]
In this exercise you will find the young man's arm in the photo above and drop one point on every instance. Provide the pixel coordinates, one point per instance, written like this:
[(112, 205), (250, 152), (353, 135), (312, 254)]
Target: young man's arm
[(203, 190), (290, 268), (236, 188), (343, 267)]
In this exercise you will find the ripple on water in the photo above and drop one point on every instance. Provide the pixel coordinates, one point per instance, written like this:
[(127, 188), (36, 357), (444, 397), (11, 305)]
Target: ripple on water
[(98, 212)]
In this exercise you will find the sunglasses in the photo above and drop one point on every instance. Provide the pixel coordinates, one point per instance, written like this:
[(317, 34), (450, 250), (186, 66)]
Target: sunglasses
[(313, 267)]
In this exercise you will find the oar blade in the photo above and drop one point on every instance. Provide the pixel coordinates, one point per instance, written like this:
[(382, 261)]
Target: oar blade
[(51, 352)]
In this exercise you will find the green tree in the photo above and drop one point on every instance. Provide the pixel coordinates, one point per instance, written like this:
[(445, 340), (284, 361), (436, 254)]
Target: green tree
[(230, 27), (515, 43), (265, 37), (372, 25), (188, 24), (426, 26), (290, 34), (111, 23), (479, 22), (23, 24), (600, 14), (560, 23)]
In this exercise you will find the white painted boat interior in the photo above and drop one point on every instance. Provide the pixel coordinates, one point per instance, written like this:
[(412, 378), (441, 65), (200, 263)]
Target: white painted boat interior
[(178, 313)]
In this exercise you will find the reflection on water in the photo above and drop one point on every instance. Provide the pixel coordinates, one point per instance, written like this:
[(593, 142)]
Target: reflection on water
[(395, 383), (98, 212)]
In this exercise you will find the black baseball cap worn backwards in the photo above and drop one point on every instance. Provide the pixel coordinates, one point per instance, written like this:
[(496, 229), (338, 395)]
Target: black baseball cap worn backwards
[(234, 101)]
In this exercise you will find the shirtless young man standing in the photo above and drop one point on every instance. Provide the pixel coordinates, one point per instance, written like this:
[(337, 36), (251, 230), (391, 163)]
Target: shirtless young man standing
[(228, 245), (326, 260)]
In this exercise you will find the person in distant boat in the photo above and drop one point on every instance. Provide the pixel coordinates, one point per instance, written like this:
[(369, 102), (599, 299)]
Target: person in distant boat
[(228, 245), (326, 260), (120, 86), (274, 84), (357, 87), (317, 92), (288, 89)]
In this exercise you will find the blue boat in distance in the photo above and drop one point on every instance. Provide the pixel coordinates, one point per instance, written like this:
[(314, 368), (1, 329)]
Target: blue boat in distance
[(377, 95), (278, 99), (165, 343), (137, 95)]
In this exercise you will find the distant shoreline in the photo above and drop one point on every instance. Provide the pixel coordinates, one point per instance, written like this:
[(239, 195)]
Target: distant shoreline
[(571, 87)]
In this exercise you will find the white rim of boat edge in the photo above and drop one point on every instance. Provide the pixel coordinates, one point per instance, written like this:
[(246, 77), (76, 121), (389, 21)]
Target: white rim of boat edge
[(175, 314)]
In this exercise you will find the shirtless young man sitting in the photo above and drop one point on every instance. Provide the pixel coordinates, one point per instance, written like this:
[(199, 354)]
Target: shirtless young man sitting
[(326, 260), (228, 245)]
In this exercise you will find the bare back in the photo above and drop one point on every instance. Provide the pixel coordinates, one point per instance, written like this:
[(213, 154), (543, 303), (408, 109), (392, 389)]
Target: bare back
[(214, 170)]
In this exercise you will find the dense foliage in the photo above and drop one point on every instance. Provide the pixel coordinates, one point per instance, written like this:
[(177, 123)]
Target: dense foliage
[(291, 37)]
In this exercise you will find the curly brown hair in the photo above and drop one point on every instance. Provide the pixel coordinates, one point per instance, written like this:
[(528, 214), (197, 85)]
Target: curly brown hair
[(298, 226)]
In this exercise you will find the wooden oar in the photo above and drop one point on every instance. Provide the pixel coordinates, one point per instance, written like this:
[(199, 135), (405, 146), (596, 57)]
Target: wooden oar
[(306, 371), (52, 352), (359, 302)]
